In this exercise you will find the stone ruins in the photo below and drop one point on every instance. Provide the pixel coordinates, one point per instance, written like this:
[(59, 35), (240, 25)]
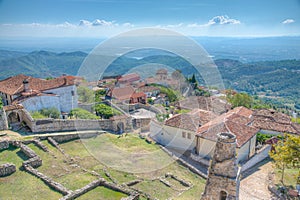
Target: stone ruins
[(223, 175)]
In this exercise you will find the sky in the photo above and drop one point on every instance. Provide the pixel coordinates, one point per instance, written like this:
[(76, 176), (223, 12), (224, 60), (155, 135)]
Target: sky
[(105, 18)]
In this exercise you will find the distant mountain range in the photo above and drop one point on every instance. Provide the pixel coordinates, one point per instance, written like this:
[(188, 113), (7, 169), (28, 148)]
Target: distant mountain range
[(271, 78), (39, 63)]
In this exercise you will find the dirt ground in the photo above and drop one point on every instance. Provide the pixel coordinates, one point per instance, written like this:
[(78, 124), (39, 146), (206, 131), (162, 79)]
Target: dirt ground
[(254, 185)]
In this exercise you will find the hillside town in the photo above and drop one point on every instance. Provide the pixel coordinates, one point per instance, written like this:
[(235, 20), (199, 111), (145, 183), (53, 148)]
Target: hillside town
[(167, 109)]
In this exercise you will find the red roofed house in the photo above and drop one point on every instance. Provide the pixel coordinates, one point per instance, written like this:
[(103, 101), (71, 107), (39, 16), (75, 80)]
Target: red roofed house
[(236, 121), (179, 131), (36, 94), (127, 94)]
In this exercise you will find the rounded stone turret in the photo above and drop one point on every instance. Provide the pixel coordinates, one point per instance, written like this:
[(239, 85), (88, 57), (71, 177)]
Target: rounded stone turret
[(223, 181)]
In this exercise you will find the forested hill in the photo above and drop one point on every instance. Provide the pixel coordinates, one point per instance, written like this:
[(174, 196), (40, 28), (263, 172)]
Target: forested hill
[(269, 78), (39, 63)]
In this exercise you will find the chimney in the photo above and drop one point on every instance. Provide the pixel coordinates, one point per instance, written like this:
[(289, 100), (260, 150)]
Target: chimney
[(26, 85)]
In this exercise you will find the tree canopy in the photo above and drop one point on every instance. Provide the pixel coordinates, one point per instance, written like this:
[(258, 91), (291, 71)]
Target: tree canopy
[(85, 94), (106, 111), (286, 153)]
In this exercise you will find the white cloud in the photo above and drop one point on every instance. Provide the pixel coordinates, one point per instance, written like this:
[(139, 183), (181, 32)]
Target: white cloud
[(101, 22), (127, 24), (84, 23), (222, 19), (97, 22), (288, 21)]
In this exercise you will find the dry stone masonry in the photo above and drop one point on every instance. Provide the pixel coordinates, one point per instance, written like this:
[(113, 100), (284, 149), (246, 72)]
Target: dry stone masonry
[(4, 145), (223, 175), (7, 169)]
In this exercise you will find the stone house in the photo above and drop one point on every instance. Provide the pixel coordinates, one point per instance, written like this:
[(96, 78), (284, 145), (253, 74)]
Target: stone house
[(179, 131), (35, 93), (237, 122)]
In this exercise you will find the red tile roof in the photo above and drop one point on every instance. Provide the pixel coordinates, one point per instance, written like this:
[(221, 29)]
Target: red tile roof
[(213, 104), (190, 121), (274, 121), (14, 85), (138, 94), (123, 93), (235, 121)]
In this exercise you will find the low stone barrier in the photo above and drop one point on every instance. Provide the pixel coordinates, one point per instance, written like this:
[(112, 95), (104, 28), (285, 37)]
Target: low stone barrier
[(56, 186), (35, 162), (38, 143), (7, 169), (27, 151), (4, 144), (181, 181), (132, 197), (83, 190)]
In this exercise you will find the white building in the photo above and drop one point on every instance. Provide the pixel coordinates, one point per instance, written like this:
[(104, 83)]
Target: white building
[(35, 94)]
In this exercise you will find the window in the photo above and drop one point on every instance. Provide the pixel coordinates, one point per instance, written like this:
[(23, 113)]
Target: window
[(72, 92), (184, 134), (189, 136)]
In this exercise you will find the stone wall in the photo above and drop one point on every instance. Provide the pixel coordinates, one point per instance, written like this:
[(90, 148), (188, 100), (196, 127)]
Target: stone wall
[(3, 120), (4, 144), (7, 169), (56, 186)]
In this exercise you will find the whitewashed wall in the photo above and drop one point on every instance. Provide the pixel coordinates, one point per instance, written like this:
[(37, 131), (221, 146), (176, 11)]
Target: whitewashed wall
[(39, 102), (66, 101), (172, 137)]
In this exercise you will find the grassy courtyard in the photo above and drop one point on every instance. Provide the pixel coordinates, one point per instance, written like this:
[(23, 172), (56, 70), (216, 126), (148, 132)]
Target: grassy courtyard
[(116, 159)]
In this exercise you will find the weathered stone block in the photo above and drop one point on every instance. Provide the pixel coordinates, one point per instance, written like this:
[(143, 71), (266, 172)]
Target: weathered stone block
[(7, 169)]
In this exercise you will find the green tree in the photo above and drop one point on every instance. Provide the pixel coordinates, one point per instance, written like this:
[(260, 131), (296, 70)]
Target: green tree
[(99, 94), (85, 94), (240, 99), (106, 111), (80, 113), (286, 153)]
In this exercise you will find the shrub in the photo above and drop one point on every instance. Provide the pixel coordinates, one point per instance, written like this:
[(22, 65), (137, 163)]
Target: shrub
[(50, 112), (80, 113), (106, 111), (37, 115)]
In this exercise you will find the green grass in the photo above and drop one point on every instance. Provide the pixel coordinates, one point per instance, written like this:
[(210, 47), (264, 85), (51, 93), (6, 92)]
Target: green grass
[(57, 168), (290, 177), (102, 193), (22, 185), (99, 154)]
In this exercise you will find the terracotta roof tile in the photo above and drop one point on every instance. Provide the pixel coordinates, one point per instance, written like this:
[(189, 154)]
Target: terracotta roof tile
[(190, 121), (213, 104), (274, 121), (14, 85), (123, 93), (235, 122)]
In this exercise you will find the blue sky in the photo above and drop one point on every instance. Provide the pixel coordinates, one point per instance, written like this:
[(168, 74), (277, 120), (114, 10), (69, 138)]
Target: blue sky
[(102, 18)]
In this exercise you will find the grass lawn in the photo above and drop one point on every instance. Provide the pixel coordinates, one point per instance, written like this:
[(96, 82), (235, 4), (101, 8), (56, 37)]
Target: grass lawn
[(102, 193), (121, 157), (290, 177)]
